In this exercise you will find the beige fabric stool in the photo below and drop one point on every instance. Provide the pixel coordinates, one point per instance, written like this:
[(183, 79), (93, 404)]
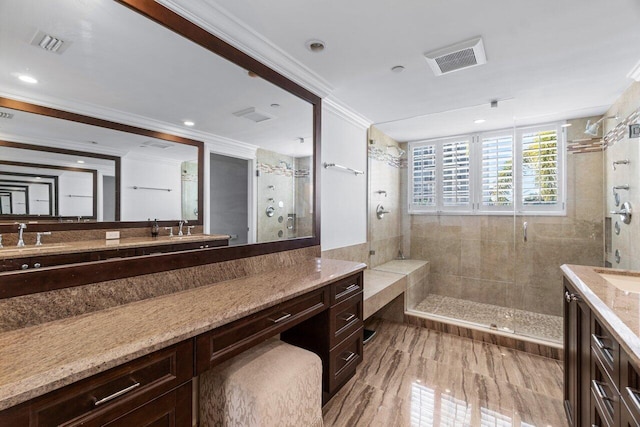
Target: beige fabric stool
[(272, 384)]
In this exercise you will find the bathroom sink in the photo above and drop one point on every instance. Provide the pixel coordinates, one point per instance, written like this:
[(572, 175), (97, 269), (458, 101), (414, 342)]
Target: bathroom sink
[(624, 282)]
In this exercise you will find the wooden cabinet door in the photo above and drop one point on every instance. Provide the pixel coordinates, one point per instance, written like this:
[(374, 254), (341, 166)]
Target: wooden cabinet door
[(577, 357)]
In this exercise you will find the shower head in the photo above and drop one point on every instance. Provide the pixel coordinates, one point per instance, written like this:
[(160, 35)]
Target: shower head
[(398, 149), (592, 128)]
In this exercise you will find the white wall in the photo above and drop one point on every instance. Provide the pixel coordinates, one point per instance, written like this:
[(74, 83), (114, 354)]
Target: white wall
[(76, 194), (140, 205), (343, 194)]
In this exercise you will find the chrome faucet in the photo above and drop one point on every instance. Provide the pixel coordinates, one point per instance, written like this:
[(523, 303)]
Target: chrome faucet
[(21, 228), (39, 237), (189, 228), (180, 224), (170, 231), (1, 241)]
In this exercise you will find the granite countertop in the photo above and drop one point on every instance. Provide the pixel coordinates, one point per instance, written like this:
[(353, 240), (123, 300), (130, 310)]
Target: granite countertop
[(42, 358), (617, 309), (101, 245)]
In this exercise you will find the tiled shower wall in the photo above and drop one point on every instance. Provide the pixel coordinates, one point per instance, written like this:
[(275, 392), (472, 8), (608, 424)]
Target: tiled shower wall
[(385, 169), (484, 258), (620, 147)]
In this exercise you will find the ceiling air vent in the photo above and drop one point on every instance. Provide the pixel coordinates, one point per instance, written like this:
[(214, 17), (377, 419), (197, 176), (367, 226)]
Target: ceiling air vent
[(49, 43), (456, 57), (5, 115), (156, 144), (253, 115)]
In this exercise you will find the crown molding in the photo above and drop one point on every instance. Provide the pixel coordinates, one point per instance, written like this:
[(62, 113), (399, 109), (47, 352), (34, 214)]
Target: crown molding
[(334, 106), (218, 21)]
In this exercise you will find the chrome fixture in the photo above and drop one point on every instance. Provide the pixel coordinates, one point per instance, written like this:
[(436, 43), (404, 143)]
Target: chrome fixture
[(625, 213), (39, 237), (572, 297), (380, 211), (398, 149), (270, 211), (189, 228), (616, 228), (592, 128), (525, 225), (620, 162), (170, 231), (382, 192), (21, 228), (620, 187), (333, 165), (401, 255), (617, 256), (1, 246), (616, 198), (180, 224)]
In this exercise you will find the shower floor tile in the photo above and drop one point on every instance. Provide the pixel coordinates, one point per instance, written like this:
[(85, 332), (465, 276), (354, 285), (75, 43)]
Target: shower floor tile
[(536, 325)]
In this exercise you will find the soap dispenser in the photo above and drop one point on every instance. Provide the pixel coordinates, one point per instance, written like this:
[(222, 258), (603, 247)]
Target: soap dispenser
[(155, 230)]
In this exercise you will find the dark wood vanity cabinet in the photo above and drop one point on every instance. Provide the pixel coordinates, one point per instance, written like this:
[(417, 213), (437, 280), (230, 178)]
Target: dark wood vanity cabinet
[(150, 389), (602, 385), (335, 334), (156, 390), (577, 356), (38, 261)]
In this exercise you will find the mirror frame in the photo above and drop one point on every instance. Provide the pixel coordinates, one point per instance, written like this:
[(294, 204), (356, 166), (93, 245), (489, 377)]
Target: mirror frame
[(80, 118), (47, 279), (54, 203)]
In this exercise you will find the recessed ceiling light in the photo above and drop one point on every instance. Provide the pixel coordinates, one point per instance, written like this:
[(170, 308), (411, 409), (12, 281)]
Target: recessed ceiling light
[(188, 123), (315, 45), (275, 105), (80, 161), (38, 177), (397, 69), (479, 121), (28, 79), (565, 125), (252, 74)]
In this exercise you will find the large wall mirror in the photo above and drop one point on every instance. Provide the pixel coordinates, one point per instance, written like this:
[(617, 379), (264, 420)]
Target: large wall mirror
[(115, 113)]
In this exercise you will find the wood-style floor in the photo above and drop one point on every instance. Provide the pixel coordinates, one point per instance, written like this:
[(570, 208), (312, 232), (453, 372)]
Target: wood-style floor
[(413, 376)]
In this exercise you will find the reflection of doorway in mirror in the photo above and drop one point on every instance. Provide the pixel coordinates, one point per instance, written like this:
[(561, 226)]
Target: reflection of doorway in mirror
[(108, 198), (229, 201), (189, 179)]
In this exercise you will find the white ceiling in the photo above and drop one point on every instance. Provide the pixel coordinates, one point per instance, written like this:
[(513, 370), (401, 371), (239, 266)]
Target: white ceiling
[(121, 62), (547, 60), (551, 59)]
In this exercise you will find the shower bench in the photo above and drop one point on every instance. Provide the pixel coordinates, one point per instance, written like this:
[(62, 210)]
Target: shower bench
[(386, 282)]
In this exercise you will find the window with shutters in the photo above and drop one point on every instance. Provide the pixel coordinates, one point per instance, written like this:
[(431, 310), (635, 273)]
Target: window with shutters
[(490, 173)]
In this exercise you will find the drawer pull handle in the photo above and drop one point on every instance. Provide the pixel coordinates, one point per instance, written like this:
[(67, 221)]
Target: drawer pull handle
[(599, 342), (350, 287), (598, 387), (348, 317), (281, 318), (116, 394), (634, 396), (349, 358)]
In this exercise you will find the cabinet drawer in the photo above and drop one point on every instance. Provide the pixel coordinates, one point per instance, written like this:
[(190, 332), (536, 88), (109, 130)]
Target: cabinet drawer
[(172, 409), (604, 393), (630, 386), (345, 318), (343, 360), (227, 341), (117, 391), (606, 349), (346, 288)]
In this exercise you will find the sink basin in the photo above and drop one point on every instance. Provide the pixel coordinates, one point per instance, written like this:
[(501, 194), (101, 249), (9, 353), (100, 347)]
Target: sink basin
[(624, 282)]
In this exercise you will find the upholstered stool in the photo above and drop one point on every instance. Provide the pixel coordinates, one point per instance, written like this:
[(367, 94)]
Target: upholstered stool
[(272, 384)]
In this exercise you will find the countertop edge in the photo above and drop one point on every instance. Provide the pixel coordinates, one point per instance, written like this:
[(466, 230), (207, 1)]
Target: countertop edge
[(622, 333)]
